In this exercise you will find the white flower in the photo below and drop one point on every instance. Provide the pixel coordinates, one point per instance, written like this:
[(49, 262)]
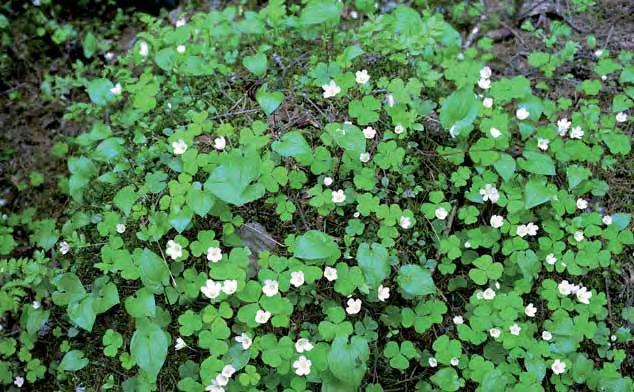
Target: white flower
[(613, 338), (441, 213), (297, 278), (389, 98), (532, 229), (211, 289), (495, 133), (330, 273), (244, 340), (497, 221), (181, 22), (563, 125), (398, 129), (405, 222), (180, 344), (369, 132), (515, 329), (383, 293), (582, 204), (179, 147), (144, 48), (522, 114), (220, 143), (354, 306), (558, 367), (19, 381), (547, 336), (302, 366), (262, 316), (487, 102), (180, 49), (584, 295), (484, 84), (331, 89), (64, 247), (576, 133), (458, 320), (302, 345), (228, 371), (109, 56), (542, 143), (530, 310), (489, 192), (565, 288), (174, 249), (364, 157), (362, 76), (116, 90), (221, 380), (522, 231), (621, 117), (607, 220), (551, 259), (338, 196), (454, 361), (229, 286), (270, 287), (488, 294), (495, 332), (36, 304), (453, 132), (214, 254), (485, 72), (120, 228), (432, 362), (467, 244), (578, 236), (214, 387), (328, 181), (598, 52)]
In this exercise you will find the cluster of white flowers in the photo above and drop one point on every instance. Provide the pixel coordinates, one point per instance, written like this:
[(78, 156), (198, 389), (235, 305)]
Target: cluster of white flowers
[(485, 81), (221, 380), (583, 294), (212, 289), (490, 193), (529, 229)]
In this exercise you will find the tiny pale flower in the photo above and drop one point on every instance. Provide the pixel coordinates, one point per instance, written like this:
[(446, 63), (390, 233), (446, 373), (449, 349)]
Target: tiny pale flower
[(558, 367), (497, 221), (331, 89), (547, 336), (598, 52), (432, 362), (211, 289), (117, 89), (398, 129), (362, 76), (582, 204), (262, 316), (354, 306), (490, 192), (563, 125), (174, 249), (488, 294), (338, 196), (229, 286), (584, 295), (578, 236), (144, 48), (328, 181), (383, 293), (180, 344), (405, 222), (530, 310), (621, 117), (364, 157), (495, 332), (389, 98), (454, 361), (565, 288), (214, 254), (297, 278), (302, 366), (121, 228), (551, 259), (522, 114), (18, 381), (542, 144), (532, 229), (244, 340), (607, 220), (181, 49), (576, 133), (484, 84), (221, 380), (181, 22), (220, 143), (330, 273), (302, 345), (369, 132), (441, 213), (179, 147), (270, 287), (515, 329), (458, 320), (64, 247), (487, 102), (485, 72), (228, 371), (495, 133)]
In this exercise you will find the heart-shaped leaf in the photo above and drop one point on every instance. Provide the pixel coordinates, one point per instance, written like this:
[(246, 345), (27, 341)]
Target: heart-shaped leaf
[(269, 101), (256, 64)]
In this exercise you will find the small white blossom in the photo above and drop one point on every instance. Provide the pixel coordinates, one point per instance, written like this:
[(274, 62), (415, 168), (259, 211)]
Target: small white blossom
[(220, 143), (270, 287), (302, 366), (244, 340), (221, 380), (578, 236), (214, 387), (458, 320), (522, 114), (582, 204), (565, 288), (441, 213), (542, 144), (117, 89), (495, 133), (621, 117), (228, 371), (36, 304), (485, 72), (181, 49), (398, 129), (405, 222), (180, 344), (214, 254), (607, 220), (530, 310), (330, 273), (18, 381), (297, 278), (64, 247), (262, 316), (362, 76), (331, 89), (383, 293), (551, 259), (354, 306), (109, 56), (558, 367), (211, 289), (121, 228), (497, 221), (490, 192), (515, 329), (144, 48), (229, 286), (364, 157), (598, 52), (584, 295), (302, 345), (495, 332), (454, 361), (179, 147), (389, 98), (174, 249), (369, 132), (181, 22), (484, 84), (328, 181), (576, 133), (467, 244), (487, 102), (453, 132), (547, 336), (338, 196), (488, 294), (563, 125), (532, 229)]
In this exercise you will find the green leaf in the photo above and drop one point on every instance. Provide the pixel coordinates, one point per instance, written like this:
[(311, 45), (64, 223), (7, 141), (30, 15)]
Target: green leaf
[(234, 181), (318, 12), (315, 245), (256, 64), (415, 281), (99, 91), (153, 271), (505, 166), (447, 379), (537, 163), (73, 360), (166, 59), (536, 192), (90, 45), (375, 263), (348, 361), (459, 110), (198, 200), (125, 199), (292, 144), (269, 101), (148, 347)]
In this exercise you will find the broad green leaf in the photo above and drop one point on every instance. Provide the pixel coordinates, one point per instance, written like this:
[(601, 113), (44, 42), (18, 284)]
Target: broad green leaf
[(374, 261), (256, 64), (153, 271), (415, 280), (348, 360), (537, 163), (315, 245), (73, 360), (99, 91), (505, 166), (319, 12), (148, 347), (536, 192), (125, 199), (292, 144), (235, 180), (269, 101), (459, 110)]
